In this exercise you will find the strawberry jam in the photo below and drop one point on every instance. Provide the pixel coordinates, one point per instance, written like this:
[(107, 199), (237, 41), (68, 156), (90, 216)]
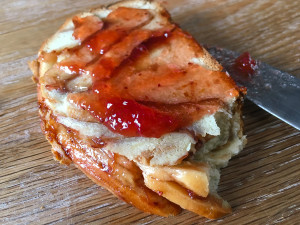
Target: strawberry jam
[(245, 65), (104, 67), (127, 117)]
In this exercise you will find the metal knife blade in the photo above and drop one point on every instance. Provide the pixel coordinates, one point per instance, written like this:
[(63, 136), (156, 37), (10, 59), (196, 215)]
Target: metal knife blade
[(275, 91)]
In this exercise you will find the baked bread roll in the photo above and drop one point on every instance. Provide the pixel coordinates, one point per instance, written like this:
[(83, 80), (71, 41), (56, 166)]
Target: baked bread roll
[(140, 107)]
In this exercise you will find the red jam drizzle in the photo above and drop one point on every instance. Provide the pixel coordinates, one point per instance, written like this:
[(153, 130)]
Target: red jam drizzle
[(104, 67), (127, 117), (101, 42), (245, 65)]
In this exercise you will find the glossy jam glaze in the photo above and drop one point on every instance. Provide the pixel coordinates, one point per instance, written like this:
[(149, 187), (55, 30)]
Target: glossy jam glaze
[(127, 117)]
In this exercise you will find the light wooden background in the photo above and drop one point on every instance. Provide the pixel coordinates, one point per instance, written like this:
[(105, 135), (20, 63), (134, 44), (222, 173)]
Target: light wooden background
[(262, 183)]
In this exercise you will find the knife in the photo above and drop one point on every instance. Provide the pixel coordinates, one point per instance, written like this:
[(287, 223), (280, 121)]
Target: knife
[(275, 91)]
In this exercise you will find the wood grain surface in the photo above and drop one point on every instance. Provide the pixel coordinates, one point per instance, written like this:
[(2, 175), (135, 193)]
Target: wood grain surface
[(262, 183)]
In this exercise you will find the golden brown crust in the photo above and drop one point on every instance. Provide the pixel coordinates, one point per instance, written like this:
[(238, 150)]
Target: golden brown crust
[(116, 173)]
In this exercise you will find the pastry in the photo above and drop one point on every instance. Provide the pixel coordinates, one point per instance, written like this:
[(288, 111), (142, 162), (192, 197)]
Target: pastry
[(140, 107)]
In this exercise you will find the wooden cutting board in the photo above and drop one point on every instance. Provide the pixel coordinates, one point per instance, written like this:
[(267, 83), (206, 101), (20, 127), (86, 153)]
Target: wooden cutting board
[(262, 183)]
